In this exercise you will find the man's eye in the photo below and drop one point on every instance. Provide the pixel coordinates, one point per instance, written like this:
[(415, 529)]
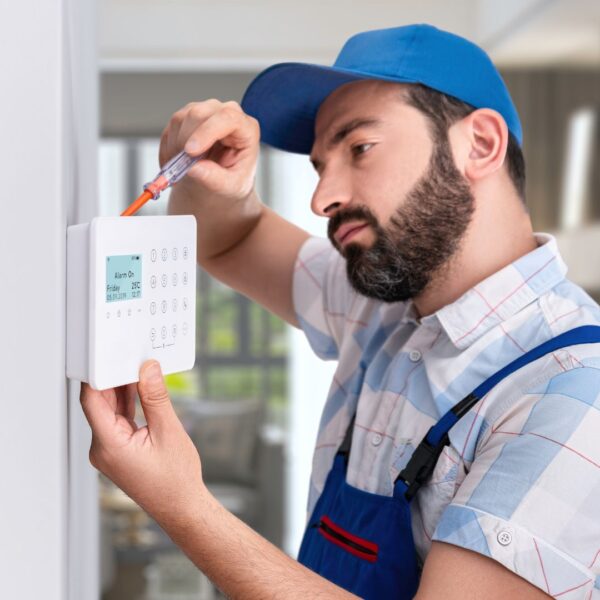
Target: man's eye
[(360, 149)]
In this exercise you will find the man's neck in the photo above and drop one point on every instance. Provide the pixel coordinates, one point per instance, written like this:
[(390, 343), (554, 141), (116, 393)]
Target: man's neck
[(495, 239)]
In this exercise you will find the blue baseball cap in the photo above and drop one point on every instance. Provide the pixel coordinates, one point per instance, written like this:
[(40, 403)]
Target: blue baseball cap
[(285, 98)]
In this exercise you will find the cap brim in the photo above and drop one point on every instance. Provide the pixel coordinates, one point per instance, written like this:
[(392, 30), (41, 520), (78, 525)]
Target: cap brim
[(285, 99)]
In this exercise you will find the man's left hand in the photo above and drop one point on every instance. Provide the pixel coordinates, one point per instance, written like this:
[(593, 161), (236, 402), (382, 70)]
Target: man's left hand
[(156, 465)]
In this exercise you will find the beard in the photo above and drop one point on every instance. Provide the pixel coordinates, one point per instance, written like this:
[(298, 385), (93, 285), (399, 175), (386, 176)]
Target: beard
[(423, 234)]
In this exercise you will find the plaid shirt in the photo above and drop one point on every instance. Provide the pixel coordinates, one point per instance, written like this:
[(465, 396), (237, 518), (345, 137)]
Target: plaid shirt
[(520, 480)]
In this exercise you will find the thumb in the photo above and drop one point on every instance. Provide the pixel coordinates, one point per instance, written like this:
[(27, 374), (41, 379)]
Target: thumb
[(156, 404), (209, 173), (224, 180)]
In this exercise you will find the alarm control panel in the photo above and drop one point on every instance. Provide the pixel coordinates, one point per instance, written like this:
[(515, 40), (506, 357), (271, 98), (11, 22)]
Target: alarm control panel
[(131, 296)]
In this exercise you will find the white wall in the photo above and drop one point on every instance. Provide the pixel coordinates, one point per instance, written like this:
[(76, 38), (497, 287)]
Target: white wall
[(81, 198), (248, 35), (243, 34), (47, 161), (540, 32)]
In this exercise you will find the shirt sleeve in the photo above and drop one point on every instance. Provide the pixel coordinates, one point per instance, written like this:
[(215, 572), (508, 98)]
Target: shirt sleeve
[(531, 499), (322, 295)]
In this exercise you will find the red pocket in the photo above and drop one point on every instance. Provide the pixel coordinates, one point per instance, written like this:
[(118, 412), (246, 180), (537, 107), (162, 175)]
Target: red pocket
[(349, 542)]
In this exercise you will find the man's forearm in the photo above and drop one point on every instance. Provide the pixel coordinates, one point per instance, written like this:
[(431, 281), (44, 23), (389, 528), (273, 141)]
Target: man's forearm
[(221, 224), (239, 561), (247, 246)]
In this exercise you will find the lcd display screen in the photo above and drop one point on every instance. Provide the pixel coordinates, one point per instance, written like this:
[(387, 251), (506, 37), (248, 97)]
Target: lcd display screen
[(123, 277)]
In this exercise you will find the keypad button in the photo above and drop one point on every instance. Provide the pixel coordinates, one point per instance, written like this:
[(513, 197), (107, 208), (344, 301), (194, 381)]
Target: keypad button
[(185, 328), (185, 253), (174, 330), (164, 280), (164, 254), (119, 314), (184, 278), (174, 304), (152, 308), (174, 279), (153, 255), (163, 306), (153, 281), (153, 334), (174, 254), (163, 332), (185, 304)]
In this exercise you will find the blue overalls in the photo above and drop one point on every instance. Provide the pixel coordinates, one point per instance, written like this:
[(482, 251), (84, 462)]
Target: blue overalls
[(362, 541)]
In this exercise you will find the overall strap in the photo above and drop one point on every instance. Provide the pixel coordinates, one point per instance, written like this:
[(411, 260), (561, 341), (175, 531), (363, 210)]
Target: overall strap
[(344, 448), (422, 462)]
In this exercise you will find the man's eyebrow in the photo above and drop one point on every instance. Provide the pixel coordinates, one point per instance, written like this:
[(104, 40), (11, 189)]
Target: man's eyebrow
[(345, 130), (349, 127)]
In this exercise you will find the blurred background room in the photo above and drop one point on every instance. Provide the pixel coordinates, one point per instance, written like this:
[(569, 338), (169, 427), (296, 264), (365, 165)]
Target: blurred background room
[(252, 402)]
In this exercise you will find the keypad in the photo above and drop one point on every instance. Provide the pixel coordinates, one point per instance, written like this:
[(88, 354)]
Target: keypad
[(168, 297)]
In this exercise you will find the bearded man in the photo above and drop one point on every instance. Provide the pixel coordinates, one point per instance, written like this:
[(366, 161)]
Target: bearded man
[(457, 455)]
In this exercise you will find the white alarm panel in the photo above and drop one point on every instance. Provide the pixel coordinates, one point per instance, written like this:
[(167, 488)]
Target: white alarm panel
[(131, 296)]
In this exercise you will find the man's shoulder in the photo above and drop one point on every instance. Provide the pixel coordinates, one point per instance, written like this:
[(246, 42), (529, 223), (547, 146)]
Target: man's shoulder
[(569, 295)]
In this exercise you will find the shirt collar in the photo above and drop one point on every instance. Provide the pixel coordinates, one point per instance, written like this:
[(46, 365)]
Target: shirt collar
[(501, 295)]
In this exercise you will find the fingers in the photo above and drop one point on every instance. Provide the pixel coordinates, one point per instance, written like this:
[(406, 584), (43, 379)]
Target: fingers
[(228, 124), (170, 143), (221, 129), (126, 396), (156, 404), (98, 409), (196, 115)]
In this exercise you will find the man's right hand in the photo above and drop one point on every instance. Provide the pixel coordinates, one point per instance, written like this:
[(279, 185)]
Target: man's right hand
[(230, 138), (240, 241)]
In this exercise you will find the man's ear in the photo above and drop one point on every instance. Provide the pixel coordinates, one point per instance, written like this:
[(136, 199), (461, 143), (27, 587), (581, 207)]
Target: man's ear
[(487, 136)]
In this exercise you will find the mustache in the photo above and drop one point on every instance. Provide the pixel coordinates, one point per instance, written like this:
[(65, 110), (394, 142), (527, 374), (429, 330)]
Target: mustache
[(356, 213)]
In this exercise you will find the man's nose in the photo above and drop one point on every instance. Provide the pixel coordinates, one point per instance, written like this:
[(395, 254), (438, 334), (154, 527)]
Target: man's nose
[(331, 194)]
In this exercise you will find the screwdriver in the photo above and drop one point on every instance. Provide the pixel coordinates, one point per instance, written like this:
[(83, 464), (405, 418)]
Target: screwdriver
[(170, 174)]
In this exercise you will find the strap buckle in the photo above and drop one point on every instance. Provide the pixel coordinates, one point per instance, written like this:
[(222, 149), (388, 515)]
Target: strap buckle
[(421, 465)]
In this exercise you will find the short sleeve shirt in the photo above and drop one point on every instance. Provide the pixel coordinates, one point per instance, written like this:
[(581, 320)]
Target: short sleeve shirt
[(520, 480)]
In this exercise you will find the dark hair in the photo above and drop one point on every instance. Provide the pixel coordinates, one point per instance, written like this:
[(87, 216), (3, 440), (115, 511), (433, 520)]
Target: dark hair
[(443, 111)]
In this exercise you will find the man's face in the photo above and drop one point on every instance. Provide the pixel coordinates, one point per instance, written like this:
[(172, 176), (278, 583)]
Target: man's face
[(397, 205)]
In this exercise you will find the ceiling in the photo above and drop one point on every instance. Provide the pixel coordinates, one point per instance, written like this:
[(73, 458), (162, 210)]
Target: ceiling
[(547, 32), (247, 35)]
